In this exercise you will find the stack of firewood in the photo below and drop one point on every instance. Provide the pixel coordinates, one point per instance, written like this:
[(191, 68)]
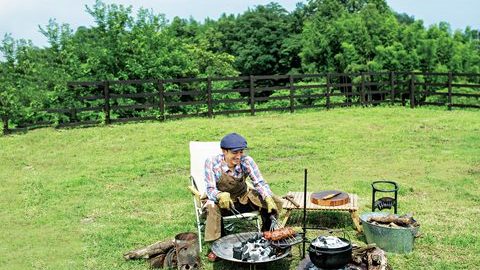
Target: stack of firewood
[(406, 221), (370, 258), (181, 253)]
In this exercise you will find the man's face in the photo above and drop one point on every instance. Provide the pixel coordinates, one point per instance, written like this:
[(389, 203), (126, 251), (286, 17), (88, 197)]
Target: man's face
[(232, 157)]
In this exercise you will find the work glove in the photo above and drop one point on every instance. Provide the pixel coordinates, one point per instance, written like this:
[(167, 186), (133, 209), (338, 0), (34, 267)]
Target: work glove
[(271, 204), (224, 200)]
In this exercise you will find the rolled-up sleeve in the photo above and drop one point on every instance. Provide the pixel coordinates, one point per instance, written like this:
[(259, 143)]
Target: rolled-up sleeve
[(257, 179), (210, 181)]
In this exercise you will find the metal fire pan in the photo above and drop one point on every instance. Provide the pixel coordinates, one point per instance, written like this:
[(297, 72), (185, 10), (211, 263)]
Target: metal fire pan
[(223, 248)]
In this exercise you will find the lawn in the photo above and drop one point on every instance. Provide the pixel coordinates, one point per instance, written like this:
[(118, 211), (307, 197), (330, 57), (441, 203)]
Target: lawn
[(79, 198)]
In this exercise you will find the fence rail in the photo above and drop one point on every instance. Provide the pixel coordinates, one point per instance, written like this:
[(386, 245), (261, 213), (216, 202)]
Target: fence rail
[(163, 99)]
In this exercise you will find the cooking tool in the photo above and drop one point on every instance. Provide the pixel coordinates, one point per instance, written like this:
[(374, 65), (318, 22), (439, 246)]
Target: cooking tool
[(283, 243), (330, 252), (330, 198), (288, 242), (274, 225), (291, 199), (384, 186)]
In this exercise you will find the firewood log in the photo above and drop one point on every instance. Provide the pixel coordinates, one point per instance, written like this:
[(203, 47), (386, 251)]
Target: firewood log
[(157, 261), (150, 251), (370, 257), (401, 221), (376, 260)]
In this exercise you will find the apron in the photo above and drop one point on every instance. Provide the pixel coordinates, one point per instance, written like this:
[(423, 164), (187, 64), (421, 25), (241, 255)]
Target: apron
[(239, 193), (238, 189)]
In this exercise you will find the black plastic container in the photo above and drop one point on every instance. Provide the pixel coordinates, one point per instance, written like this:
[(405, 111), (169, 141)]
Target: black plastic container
[(331, 258)]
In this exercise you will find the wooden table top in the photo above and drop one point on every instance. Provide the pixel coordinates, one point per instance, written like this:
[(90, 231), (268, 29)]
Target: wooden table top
[(298, 198)]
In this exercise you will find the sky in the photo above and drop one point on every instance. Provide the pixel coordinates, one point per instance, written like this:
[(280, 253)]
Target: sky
[(22, 18)]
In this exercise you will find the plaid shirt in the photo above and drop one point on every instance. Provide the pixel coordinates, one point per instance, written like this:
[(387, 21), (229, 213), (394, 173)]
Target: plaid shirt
[(214, 166)]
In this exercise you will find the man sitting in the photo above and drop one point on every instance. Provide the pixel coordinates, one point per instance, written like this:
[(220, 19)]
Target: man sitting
[(225, 176)]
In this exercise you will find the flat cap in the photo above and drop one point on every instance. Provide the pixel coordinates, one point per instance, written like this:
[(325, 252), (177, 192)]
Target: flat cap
[(234, 142)]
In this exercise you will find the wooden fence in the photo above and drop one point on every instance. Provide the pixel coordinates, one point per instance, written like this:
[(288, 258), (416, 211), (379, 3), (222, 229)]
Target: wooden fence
[(106, 102)]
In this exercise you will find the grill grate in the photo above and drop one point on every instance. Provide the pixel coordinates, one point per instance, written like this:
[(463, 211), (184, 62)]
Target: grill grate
[(288, 242)]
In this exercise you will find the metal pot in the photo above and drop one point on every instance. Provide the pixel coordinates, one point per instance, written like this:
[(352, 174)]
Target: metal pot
[(327, 257)]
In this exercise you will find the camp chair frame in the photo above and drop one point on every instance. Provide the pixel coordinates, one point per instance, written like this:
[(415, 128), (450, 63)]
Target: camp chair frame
[(199, 152)]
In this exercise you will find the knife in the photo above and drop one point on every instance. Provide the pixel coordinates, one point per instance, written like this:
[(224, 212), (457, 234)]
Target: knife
[(329, 196)]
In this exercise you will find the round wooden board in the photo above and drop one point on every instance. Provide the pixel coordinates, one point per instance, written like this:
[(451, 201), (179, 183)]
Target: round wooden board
[(340, 199)]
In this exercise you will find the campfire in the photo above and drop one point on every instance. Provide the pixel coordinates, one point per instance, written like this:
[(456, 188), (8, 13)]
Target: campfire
[(254, 249), (248, 247)]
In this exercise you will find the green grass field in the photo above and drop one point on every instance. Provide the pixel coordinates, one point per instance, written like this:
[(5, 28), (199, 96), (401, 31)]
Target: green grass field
[(79, 198)]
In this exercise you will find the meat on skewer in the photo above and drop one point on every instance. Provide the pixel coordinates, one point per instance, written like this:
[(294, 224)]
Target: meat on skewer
[(279, 234)]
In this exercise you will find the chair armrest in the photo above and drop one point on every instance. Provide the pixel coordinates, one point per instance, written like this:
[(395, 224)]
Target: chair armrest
[(197, 194)]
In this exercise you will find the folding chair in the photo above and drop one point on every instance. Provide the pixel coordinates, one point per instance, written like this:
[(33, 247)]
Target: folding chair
[(199, 152)]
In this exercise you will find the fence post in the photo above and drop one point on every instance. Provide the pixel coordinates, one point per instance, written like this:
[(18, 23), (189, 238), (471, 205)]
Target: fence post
[(369, 89), (362, 90), (209, 97), (5, 124), (106, 95), (392, 88), (449, 90), (73, 111), (252, 95), (412, 90), (161, 101), (327, 94), (292, 92)]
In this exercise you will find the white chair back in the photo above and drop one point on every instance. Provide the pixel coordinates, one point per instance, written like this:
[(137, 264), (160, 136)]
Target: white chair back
[(199, 152)]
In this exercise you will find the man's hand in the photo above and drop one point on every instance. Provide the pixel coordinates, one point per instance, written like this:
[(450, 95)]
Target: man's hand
[(271, 204), (224, 200)]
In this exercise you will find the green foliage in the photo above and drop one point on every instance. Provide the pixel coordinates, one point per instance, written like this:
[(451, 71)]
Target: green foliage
[(259, 40), (346, 36), (318, 36)]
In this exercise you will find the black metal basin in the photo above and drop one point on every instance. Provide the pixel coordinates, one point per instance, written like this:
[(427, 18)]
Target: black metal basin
[(223, 248)]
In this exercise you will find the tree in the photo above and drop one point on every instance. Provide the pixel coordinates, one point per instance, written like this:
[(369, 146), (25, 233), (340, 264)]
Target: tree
[(256, 38)]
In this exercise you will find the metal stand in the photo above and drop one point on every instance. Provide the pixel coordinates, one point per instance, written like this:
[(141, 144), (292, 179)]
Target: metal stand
[(384, 202), (304, 213)]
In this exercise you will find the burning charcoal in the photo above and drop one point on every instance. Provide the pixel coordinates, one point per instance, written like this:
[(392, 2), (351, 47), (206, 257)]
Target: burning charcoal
[(265, 253), (245, 256), (265, 245), (246, 251), (237, 253), (245, 248), (255, 255)]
